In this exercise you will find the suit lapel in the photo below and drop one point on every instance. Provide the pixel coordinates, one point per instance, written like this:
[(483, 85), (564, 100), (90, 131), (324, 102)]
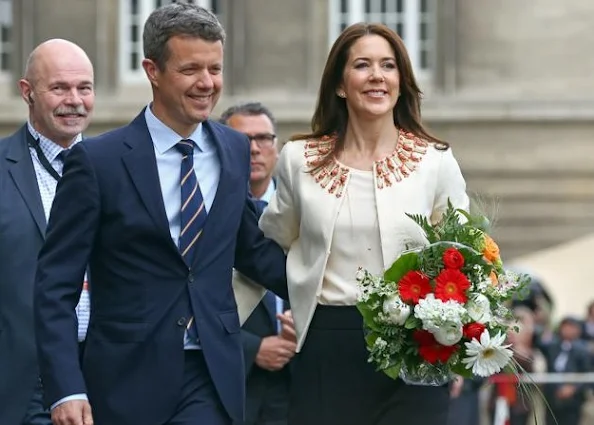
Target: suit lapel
[(141, 164), (23, 175)]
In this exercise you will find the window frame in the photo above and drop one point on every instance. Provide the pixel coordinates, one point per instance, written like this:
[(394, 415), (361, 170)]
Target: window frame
[(6, 46), (127, 47), (410, 20)]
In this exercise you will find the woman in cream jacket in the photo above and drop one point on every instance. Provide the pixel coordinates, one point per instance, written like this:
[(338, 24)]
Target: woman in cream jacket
[(341, 198)]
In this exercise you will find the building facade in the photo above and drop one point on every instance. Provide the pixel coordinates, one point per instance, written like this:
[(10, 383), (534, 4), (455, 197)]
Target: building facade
[(509, 84)]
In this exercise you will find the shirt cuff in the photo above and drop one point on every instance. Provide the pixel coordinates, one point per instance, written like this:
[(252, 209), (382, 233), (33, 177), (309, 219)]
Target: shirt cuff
[(69, 398)]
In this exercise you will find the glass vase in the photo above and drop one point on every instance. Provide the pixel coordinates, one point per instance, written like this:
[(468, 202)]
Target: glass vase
[(425, 375)]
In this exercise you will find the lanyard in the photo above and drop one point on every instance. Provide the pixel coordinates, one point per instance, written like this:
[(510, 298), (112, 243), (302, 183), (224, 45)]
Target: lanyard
[(34, 143)]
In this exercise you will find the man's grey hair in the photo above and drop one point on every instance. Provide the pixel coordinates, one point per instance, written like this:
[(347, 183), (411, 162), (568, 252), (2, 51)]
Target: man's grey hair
[(249, 109), (178, 19)]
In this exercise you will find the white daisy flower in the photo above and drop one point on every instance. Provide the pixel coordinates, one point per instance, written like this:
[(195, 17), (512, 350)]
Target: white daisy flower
[(487, 356)]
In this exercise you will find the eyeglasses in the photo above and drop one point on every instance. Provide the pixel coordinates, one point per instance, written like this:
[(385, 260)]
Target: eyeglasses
[(263, 140)]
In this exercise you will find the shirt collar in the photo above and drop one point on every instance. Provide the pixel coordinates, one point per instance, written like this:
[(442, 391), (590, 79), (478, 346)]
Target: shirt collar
[(49, 148), (164, 138), (269, 192)]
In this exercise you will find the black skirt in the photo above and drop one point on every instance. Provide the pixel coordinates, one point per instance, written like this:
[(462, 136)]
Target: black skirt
[(334, 384)]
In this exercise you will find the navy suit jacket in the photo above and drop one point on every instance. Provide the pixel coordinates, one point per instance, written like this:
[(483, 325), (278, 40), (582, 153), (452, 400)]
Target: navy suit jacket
[(109, 213), (22, 229)]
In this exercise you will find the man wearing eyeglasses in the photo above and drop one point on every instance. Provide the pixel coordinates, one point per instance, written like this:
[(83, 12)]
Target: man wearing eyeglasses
[(266, 352)]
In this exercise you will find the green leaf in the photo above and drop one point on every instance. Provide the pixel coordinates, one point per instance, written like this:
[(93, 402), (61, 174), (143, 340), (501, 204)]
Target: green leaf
[(393, 371), (460, 369), (404, 264), (368, 316), (370, 339), (412, 322)]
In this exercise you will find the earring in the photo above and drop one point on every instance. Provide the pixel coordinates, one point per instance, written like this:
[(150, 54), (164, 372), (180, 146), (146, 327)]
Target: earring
[(342, 94)]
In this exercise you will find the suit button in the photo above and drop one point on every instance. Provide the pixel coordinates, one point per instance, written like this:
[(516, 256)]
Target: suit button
[(191, 278), (182, 321)]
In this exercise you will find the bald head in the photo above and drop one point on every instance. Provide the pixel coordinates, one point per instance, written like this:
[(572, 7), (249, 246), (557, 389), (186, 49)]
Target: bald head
[(55, 52), (58, 87)]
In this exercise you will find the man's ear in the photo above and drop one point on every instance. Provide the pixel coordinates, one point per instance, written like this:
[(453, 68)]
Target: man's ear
[(152, 71), (26, 91)]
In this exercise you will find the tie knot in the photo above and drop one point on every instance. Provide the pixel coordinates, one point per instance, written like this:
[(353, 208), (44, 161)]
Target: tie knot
[(63, 154), (185, 147)]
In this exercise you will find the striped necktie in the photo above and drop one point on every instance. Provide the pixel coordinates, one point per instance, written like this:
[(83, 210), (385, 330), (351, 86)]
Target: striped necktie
[(193, 214)]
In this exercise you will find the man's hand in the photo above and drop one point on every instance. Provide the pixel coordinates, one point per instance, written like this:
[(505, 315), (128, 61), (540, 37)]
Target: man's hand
[(274, 353), (456, 387), (73, 412), (288, 326)]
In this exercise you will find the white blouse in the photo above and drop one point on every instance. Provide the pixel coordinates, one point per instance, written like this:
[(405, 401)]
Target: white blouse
[(355, 242)]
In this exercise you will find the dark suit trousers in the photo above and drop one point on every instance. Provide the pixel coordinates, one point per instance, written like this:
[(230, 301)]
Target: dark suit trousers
[(333, 384), (36, 414), (200, 404), (267, 397)]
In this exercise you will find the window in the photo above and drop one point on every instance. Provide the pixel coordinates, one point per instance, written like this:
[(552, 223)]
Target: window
[(133, 14), (411, 19), (5, 36)]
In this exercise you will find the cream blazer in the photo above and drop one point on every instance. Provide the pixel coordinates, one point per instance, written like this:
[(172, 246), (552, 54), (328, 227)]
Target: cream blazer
[(302, 214)]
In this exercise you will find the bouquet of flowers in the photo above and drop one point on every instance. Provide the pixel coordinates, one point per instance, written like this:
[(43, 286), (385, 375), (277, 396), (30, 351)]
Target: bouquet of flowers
[(442, 309)]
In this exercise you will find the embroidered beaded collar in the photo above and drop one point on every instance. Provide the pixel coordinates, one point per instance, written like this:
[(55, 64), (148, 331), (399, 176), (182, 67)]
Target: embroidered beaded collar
[(332, 175)]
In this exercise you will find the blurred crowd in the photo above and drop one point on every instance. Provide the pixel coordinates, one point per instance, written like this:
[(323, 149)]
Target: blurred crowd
[(554, 358)]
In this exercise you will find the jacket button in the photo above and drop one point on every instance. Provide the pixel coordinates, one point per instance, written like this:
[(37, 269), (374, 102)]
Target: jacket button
[(182, 321), (191, 278)]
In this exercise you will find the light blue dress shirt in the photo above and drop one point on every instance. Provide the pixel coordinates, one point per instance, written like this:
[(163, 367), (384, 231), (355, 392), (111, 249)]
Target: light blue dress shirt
[(206, 167)]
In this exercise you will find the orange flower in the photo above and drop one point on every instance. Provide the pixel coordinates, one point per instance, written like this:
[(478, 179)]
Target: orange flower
[(494, 279), (490, 249)]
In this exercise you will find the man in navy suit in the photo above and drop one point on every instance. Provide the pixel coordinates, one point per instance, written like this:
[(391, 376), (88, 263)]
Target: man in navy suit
[(266, 353), (160, 211), (58, 89)]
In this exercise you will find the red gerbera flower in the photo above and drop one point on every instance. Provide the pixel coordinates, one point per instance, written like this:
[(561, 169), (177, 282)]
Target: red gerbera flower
[(432, 351), (451, 285), (413, 286)]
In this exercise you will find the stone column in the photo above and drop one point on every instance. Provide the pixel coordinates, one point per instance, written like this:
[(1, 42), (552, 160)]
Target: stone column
[(23, 37), (233, 15), (107, 46), (38, 20), (445, 55)]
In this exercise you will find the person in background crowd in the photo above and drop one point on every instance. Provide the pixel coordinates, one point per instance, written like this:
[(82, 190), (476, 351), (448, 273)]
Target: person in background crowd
[(588, 329), (465, 402), (567, 353), (505, 389), (266, 353), (58, 89)]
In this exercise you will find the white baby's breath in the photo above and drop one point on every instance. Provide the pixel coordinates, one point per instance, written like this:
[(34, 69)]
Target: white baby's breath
[(434, 313)]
